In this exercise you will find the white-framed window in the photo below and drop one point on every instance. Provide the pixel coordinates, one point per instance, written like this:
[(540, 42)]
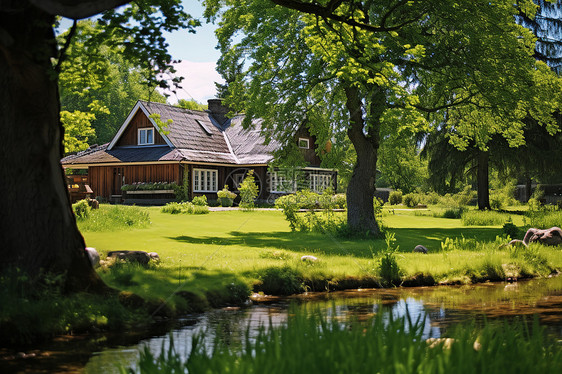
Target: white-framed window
[(146, 136), (319, 182), (205, 180), (281, 183), (304, 143)]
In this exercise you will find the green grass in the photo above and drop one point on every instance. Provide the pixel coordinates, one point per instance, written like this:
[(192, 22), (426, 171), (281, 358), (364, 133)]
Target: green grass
[(311, 343), (114, 218), (202, 256)]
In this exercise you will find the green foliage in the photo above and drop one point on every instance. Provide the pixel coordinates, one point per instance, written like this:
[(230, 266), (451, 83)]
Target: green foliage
[(509, 229), (226, 197), (149, 186), (544, 218), (483, 218), (395, 197), (411, 200), (200, 200), (191, 105), (78, 126), (101, 67), (389, 270), (400, 164), (248, 192), (81, 209), (114, 218), (319, 215), (35, 308), (280, 281), (185, 208)]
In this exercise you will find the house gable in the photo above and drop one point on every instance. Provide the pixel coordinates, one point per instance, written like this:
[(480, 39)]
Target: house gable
[(137, 121)]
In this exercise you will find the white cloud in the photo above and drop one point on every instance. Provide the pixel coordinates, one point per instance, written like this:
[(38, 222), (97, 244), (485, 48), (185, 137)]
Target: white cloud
[(198, 81)]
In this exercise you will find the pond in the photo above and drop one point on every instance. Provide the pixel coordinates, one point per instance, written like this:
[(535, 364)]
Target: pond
[(442, 307)]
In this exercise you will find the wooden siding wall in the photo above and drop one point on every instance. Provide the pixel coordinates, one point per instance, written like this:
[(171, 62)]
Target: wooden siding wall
[(139, 121), (309, 155), (101, 177)]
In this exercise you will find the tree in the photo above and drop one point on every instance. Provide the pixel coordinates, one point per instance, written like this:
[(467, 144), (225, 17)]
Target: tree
[(38, 226), (96, 70), (398, 64)]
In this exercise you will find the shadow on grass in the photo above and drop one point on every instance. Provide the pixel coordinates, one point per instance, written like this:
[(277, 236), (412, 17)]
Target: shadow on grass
[(407, 239)]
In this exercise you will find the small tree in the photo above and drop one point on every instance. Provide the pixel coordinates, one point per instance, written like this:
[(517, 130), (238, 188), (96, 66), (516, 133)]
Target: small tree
[(248, 192)]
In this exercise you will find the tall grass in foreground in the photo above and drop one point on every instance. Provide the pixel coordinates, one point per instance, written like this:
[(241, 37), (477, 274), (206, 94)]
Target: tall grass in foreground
[(314, 344), (115, 218)]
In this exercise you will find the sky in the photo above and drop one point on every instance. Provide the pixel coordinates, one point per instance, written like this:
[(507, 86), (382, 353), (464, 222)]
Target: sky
[(198, 57), (197, 54)]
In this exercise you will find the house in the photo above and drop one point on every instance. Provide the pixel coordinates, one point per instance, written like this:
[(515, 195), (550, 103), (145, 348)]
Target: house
[(203, 149)]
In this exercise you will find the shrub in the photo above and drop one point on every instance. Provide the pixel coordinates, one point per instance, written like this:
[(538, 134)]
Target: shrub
[(280, 281), (395, 197), (226, 197), (543, 218), (411, 200), (340, 201), (172, 208), (81, 209), (248, 192), (453, 213), (185, 208), (200, 201), (464, 197), (509, 229)]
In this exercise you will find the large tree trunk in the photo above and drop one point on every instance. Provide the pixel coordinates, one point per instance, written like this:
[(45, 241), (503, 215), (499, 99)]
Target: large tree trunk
[(39, 233), (482, 180), (361, 188)]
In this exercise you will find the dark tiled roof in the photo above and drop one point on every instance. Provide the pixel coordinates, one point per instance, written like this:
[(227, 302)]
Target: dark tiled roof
[(196, 137), (101, 155)]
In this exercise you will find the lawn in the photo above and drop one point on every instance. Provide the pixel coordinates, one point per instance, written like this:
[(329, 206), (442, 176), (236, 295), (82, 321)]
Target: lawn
[(217, 258)]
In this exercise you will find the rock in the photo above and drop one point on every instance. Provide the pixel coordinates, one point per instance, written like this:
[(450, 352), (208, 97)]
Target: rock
[(420, 249), (309, 258), (517, 242), (93, 256), (551, 236), (93, 203), (154, 256), (140, 257)]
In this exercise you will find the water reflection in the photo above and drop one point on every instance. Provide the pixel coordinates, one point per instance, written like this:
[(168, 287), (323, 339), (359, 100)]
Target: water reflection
[(438, 307)]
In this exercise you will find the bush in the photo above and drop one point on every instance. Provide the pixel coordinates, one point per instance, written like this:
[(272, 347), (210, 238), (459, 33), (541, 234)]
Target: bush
[(149, 186), (248, 192), (184, 208), (226, 197), (340, 201), (280, 281), (411, 200), (543, 218), (395, 197), (453, 213), (509, 229), (200, 201), (81, 209)]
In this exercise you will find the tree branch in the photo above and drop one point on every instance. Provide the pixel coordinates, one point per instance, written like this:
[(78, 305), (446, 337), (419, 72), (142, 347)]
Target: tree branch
[(62, 53), (327, 12), (77, 9)]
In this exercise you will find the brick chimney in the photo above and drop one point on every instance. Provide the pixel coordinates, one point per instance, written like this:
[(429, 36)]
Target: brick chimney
[(218, 110)]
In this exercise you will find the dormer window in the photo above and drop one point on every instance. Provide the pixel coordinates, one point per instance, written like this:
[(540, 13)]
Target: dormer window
[(146, 136), (304, 143)]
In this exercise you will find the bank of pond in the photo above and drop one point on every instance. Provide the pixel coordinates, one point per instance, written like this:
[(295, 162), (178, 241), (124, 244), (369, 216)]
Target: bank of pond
[(493, 327)]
